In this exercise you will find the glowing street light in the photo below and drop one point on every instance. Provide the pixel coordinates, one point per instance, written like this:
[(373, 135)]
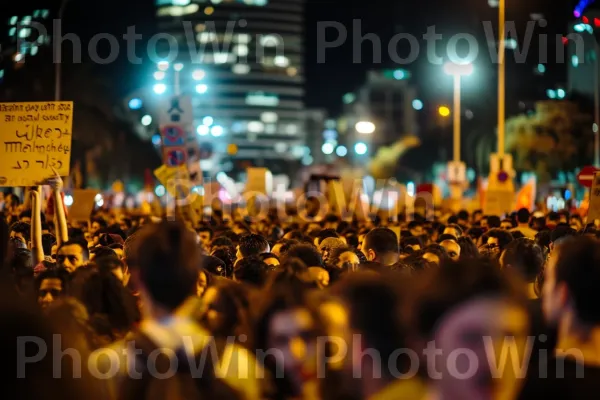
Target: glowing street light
[(160, 88), (360, 148), (457, 71), (327, 148), (365, 127), (146, 120), (444, 111)]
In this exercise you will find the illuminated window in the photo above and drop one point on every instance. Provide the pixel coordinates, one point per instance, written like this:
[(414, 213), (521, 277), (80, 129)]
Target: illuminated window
[(12, 31), (181, 2), (159, 75), (262, 99), (206, 37), (240, 69), (269, 117), (238, 127), (281, 61), (223, 58), (292, 71), (292, 129), (45, 13), (198, 74), (34, 50), (270, 40), (256, 127), (177, 11), (270, 129), (26, 20), (23, 33), (200, 27), (241, 50)]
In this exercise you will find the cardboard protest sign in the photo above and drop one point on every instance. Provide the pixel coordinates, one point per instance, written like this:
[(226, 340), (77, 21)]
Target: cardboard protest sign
[(594, 203), (34, 139), (168, 176), (83, 204), (259, 180)]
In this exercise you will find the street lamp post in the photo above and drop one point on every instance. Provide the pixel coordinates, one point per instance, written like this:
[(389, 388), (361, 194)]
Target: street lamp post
[(457, 71), (501, 76), (58, 66)]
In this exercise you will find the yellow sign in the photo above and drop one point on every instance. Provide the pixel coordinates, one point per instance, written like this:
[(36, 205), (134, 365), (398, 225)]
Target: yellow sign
[(594, 204), (34, 139), (84, 201), (167, 176)]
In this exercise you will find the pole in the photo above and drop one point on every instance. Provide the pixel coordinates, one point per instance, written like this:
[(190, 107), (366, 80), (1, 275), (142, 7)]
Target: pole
[(177, 87), (58, 63), (501, 76), (596, 110), (457, 118)]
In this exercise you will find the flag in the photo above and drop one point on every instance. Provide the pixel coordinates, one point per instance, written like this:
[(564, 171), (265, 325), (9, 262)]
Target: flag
[(526, 196)]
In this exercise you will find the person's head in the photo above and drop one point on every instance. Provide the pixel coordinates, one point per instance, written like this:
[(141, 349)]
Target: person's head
[(324, 234), (21, 231), (572, 282), (507, 224), (25, 216), (493, 222), (552, 219), (474, 306), (468, 249), (435, 254), (252, 245), (411, 244), (381, 245), (226, 309), (204, 281), (48, 242), (524, 256), (452, 248), (307, 253), (328, 245), (575, 222), (205, 234), (164, 264), (475, 233), (270, 259), (560, 233), (463, 217), (72, 255), (98, 224), (227, 255), (498, 238), (252, 271), (50, 285), (523, 216), (454, 230), (416, 228), (344, 258), (288, 326)]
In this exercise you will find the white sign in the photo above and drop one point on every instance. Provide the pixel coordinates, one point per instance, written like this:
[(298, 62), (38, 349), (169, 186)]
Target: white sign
[(177, 110), (457, 172)]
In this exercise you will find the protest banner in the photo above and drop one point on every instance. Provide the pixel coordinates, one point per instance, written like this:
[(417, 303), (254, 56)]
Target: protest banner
[(84, 201), (36, 137)]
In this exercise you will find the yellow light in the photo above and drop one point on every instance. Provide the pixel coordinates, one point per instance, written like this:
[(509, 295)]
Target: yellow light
[(232, 149), (444, 111), (209, 10)]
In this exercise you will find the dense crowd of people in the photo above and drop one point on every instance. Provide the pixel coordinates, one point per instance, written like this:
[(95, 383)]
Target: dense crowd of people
[(468, 306)]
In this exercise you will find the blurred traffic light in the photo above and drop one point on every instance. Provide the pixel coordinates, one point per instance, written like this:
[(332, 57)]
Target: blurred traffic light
[(232, 149), (444, 111)]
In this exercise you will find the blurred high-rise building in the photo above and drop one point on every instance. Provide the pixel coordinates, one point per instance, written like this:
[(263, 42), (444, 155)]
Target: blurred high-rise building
[(241, 61)]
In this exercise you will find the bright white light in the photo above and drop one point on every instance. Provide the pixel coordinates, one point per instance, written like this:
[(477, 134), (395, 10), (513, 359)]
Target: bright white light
[(281, 61), (13, 20), (216, 130), (221, 177), (146, 120), (208, 121), (243, 38), (216, 1), (18, 57), (198, 74), (399, 74), (465, 69), (269, 41), (269, 117), (163, 65), (327, 148), (365, 127), (575, 61), (551, 93), (541, 68), (160, 190), (240, 69), (341, 151), (360, 148), (160, 88), (159, 75), (203, 130), (561, 93), (256, 126), (99, 200), (307, 160), (68, 200), (410, 188), (281, 147), (511, 44), (181, 2), (178, 67), (222, 58), (135, 103), (206, 37), (417, 104), (202, 88), (34, 50), (241, 50)]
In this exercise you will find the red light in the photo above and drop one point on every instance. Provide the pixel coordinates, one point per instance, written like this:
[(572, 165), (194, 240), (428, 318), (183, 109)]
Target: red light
[(585, 20), (565, 41), (597, 22)]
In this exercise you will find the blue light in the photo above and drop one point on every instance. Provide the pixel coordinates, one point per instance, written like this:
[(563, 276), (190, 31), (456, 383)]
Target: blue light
[(399, 74), (160, 190), (417, 104), (575, 61), (551, 93), (156, 140), (561, 93), (341, 151), (146, 120), (135, 103), (541, 68), (330, 134), (568, 194), (360, 148)]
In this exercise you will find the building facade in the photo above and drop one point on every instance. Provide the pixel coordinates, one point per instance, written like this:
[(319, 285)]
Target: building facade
[(242, 63)]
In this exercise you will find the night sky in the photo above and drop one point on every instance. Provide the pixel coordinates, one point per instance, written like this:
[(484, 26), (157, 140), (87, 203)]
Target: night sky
[(328, 82)]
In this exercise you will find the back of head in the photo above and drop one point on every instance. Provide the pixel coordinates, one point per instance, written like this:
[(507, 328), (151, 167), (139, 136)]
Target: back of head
[(166, 258), (382, 241), (251, 270), (524, 256), (578, 266), (253, 245), (562, 231), (523, 216), (307, 253), (494, 221)]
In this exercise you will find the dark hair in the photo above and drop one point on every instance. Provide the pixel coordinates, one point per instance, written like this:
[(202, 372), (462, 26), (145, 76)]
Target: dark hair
[(438, 250), (251, 270), (129, 245), (24, 228), (524, 256), (410, 241), (463, 215), (504, 237), (266, 256), (414, 224), (206, 229), (82, 244), (253, 245), (214, 265), (523, 216), (52, 273), (494, 221), (221, 241), (327, 233), (468, 249), (103, 251), (561, 232), (543, 239), (286, 245), (26, 214), (554, 216), (227, 255), (578, 266), (77, 235), (517, 234), (167, 257), (101, 221), (475, 232), (381, 241), (48, 241), (456, 227), (447, 236), (441, 290), (510, 221), (305, 252)]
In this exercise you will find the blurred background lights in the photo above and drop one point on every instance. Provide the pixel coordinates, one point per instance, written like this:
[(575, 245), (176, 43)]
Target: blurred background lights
[(99, 200), (208, 120), (203, 130), (417, 104), (160, 190), (327, 148), (159, 75), (68, 200), (360, 148), (341, 151), (146, 120), (135, 103), (156, 140), (201, 88), (163, 65), (160, 88), (178, 67), (216, 130), (198, 74), (365, 127), (444, 111)]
